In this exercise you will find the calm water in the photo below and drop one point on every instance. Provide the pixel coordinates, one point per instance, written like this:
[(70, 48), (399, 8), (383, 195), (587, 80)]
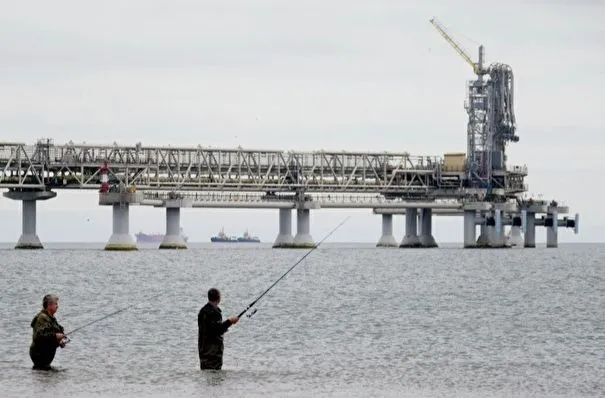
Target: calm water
[(348, 321)]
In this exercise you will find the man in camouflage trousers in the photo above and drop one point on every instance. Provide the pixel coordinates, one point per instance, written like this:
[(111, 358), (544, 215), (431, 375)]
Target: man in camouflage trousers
[(211, 330), (47, 334)]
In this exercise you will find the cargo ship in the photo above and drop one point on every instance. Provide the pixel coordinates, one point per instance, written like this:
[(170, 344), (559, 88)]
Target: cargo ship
[(246, 238), (222, 237), (154, 238)]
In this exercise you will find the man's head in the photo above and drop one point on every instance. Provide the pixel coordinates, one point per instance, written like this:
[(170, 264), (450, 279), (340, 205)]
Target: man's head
[(50, 303), (214, 296)]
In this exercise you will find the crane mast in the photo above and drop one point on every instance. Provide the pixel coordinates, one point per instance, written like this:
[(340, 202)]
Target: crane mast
[(491, 120), (477, 66)]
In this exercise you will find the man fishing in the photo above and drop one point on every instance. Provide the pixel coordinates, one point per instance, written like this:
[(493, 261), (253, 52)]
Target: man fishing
[(47, 334), (210, 332)]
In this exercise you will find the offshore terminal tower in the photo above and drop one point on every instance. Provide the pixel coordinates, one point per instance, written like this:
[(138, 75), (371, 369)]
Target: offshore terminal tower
[(491, 125), (477, 185)]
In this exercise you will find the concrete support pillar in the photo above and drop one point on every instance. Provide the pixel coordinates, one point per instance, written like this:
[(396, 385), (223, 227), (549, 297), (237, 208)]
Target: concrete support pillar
[(495, 230), (530, 229), (487, 235), (552, 226), (469, 229), (121, 239), (29, 238), (284, 238), (173, 238), (515, 238), (490, 223), (411, 229), (483, 239), (387, 239), (426, 238), (303, 237)]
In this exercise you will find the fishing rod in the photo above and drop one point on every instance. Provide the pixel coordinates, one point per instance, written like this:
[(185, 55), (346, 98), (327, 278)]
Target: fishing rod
[(67, 339), (291, 268)]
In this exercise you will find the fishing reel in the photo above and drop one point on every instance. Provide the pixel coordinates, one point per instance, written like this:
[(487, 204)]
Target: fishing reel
[(249, 315), (64, 341)]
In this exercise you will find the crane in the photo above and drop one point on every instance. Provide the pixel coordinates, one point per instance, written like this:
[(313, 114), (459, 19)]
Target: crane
[(477, 66), (491, 120)]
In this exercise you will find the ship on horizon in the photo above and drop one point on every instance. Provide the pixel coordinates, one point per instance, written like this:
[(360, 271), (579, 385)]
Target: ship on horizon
[(155, 237), (224, 238), (248, 238)]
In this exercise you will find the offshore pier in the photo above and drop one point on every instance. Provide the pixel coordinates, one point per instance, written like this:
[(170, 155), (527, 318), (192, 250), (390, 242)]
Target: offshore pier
[(478, 185)]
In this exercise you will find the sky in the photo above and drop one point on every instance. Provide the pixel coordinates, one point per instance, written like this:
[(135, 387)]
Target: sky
[(274, 74)]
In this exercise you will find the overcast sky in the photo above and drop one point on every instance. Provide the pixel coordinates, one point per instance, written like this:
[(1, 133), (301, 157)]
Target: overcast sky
[(337, 75)]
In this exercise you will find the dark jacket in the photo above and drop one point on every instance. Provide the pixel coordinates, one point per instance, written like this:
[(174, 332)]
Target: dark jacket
[(210, 336), (44, 341)]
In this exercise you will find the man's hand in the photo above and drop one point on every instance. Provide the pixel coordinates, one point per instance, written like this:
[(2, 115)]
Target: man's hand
[(234, 320), (60, 337)]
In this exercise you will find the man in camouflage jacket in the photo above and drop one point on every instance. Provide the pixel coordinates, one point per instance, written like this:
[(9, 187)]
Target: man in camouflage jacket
[(47, 334)]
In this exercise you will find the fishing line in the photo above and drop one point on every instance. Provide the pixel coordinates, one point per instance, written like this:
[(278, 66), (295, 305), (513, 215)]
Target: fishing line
[(67, 339), (286, 273)]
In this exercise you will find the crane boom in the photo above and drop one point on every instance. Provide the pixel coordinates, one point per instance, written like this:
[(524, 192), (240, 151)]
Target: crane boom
[(458, 49)]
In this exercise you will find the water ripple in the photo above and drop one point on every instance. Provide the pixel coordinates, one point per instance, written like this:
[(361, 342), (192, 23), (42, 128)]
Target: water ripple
[(346, 322)]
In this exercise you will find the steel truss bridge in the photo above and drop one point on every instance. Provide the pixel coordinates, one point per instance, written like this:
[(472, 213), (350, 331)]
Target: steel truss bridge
[(46, 166)]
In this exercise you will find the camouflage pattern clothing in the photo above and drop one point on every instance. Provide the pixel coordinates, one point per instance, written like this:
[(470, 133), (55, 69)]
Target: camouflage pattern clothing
[(210, 336), (44, 340)]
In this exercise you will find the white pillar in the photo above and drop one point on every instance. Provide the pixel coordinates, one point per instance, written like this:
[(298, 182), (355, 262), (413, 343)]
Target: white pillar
[(490, 223), (530, 230), (426, 238), (28, 239), (469, 229), (496, 230), (411, 229), (483, 239), (387, 239), (303, 226), (173, 239), (515, 238), (284, 238), (121, 239)]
